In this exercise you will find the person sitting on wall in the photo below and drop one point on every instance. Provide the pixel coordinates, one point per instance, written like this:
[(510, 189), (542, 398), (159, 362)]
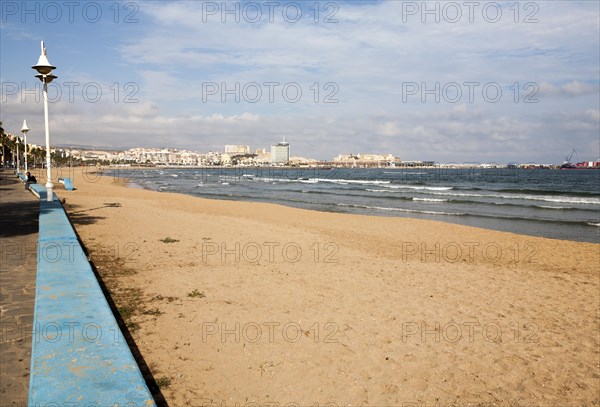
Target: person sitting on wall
[(30, 180)]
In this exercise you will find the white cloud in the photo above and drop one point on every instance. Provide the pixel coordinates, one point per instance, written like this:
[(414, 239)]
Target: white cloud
[(576, 88), (389, 129), (571, 89)]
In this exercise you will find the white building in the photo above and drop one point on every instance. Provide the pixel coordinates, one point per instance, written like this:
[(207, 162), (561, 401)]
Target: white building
[(232, 149), (280, 153), (363, 157)]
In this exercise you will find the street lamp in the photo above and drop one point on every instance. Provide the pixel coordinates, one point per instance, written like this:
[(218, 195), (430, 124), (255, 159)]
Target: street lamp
[(45, 75), (18, 160), (24, 130)]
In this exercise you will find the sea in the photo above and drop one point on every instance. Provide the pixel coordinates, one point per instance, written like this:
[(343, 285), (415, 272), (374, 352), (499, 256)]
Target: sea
[(557, 204)]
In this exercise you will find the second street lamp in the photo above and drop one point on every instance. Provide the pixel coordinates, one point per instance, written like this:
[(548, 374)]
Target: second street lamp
[(24, 130), (18, 159), (45, 75)]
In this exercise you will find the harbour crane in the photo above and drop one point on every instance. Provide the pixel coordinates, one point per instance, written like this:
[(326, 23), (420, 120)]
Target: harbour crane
[(567, 162)]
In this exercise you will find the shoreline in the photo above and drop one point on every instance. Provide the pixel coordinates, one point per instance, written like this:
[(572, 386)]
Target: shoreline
[(498, 227), (243, 302)]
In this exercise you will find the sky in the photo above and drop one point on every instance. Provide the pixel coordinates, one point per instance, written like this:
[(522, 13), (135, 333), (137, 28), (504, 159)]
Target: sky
[(464, 81)]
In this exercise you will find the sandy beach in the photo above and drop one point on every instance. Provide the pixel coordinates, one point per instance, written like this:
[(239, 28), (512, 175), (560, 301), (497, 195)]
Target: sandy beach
[(233, 303)]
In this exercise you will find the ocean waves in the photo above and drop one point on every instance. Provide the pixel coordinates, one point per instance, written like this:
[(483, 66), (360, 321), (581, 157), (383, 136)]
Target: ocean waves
[(557, 204)]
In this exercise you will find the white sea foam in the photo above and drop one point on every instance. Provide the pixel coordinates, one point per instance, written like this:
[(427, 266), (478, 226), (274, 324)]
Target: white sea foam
[(419, 187), (350, 181), (318, 180), (430, 199), (546, 198), (381, 208), (379, 190)]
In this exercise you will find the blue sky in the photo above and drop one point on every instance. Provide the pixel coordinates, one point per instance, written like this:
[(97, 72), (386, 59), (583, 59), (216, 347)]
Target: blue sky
[(418, 80)]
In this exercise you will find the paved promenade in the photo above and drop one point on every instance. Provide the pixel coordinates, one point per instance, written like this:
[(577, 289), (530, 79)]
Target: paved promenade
[(19, 211)]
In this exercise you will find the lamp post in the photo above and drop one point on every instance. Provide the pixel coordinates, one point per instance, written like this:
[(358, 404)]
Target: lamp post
[(45, 75), (18, 161), (24, 130)]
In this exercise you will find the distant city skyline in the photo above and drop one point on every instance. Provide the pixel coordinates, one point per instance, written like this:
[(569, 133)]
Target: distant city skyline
[(491, 82), (279, 154)]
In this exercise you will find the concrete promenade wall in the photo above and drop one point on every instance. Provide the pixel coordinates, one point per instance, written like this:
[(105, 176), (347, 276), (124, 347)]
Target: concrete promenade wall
[(79, 355)]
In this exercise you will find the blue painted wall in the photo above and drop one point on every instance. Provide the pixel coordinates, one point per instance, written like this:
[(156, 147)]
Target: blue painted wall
[(78, 354)]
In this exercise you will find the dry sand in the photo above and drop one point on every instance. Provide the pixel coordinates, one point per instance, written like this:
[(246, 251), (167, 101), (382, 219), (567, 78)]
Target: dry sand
[(260, 303)]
